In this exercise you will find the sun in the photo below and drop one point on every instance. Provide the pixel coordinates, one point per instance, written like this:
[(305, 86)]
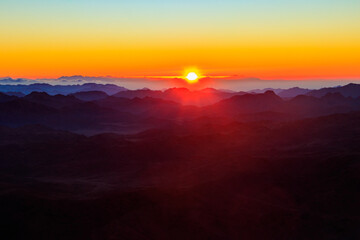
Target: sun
[(192, 76)]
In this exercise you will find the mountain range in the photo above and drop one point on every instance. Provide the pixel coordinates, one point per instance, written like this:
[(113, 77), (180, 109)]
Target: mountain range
[(132, 111), (79, 162), (61, 89), (349, 90)]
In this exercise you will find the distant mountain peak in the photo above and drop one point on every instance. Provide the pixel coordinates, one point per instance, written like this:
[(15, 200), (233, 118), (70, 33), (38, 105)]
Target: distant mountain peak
[(352, 85), (170, 90), (209, 90), (349, 90), (38, 94), (270, 92)]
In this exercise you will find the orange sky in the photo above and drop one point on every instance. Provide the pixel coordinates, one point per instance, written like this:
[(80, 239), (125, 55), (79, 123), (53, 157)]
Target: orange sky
[(263, 62), (138, 39)]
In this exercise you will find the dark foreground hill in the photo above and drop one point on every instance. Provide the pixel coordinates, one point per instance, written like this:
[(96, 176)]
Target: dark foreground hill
[(200, 180)]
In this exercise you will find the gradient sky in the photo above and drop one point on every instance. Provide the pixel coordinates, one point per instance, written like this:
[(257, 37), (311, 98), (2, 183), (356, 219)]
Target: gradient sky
[(278, 39)]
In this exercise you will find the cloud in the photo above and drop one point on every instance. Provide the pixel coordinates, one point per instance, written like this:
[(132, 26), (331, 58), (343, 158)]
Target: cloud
[(236, 83), (16, 81)]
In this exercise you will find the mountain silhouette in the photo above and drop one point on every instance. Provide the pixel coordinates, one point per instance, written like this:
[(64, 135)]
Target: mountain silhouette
[(6, 98), (350, 90), (62, 89), (182, 95), (96, 112), (293, 92), (90, 95), (56, 101), (248, 103)]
